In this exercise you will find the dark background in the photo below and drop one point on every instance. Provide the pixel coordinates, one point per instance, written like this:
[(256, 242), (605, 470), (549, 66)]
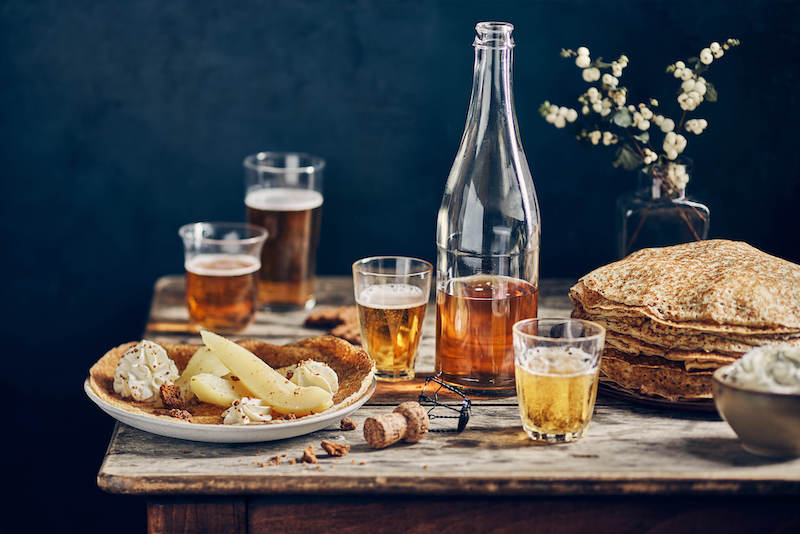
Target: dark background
[(120, 121)]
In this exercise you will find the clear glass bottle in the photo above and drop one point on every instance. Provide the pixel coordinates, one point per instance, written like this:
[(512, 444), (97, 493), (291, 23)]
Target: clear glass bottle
[(659, 213), (487, 232)]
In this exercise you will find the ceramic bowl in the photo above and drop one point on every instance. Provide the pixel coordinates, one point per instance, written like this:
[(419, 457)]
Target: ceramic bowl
[(767, 423)]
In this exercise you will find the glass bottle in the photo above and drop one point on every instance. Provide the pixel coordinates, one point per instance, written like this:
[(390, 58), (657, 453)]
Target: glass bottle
[(487, 232), (659, 213)]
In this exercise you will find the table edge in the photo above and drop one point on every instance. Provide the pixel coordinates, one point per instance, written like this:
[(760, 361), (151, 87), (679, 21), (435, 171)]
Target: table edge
[(571, 485)]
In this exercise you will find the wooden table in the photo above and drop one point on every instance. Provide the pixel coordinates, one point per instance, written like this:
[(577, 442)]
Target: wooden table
[(636, 469)]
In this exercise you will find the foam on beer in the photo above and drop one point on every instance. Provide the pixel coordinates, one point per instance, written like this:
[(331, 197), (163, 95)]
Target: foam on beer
[(560, 361), (283, 199), (392, 296), (222, 264)]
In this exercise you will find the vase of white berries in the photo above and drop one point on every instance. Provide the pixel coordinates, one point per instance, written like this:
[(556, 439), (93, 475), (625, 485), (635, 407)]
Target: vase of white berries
[(646, 140), (658, 213)]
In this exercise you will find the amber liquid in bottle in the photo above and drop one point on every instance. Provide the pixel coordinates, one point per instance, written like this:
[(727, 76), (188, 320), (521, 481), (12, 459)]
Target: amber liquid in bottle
[(474, 316), (487, 232)]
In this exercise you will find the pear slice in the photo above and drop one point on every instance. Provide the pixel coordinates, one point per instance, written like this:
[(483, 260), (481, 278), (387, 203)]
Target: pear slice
[(266, 383), (214, 390), (202, 361)]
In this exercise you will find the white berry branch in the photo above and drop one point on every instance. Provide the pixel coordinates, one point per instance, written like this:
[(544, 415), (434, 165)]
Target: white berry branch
[(606, 117)]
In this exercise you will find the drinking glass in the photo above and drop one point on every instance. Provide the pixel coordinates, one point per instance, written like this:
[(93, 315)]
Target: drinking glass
[(556, 367), (283, 194), (391, 294), (222, 261)]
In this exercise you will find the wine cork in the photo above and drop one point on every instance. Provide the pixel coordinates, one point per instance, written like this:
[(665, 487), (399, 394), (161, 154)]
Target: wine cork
[(409, 422)]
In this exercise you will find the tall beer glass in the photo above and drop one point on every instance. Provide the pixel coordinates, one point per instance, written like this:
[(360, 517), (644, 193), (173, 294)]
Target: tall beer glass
[(392, 293), (222, 262), (283, 193)]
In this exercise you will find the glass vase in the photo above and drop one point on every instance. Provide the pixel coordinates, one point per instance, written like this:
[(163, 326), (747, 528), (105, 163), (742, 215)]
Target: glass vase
[(659, 213)]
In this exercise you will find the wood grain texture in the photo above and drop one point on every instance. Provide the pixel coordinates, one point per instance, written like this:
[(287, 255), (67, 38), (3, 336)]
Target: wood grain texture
[(627, 450), (197, 517), (513, 515)]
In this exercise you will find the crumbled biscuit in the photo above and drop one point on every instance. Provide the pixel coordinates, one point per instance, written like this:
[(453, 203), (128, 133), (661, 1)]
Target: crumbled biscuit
[(335, 448), (308, 455), (171, 396), (330, 317), (347, 424), (180, 414), (349, 332), (342, 320)]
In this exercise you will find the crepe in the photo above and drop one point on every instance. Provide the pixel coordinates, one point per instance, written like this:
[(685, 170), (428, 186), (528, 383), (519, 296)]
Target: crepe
[(654, 377), (352, 365), (647, 331), (675, 314), (714, 285)]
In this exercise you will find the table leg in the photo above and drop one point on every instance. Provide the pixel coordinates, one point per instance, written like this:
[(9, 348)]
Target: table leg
[(200, 516)]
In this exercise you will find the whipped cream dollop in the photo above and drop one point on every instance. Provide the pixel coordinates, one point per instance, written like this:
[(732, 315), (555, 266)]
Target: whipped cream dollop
[(314, 373), (142, 370), (247, 411), (772, 368)]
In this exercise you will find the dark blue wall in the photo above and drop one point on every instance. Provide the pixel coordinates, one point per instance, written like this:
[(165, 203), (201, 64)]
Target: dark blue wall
[(120, 121)]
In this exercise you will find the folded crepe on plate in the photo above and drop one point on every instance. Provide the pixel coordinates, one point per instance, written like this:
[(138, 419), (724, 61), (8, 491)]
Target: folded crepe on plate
[(675, 314), (352, 365)]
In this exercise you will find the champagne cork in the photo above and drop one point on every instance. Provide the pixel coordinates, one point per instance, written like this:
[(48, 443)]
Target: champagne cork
[(408, 422)]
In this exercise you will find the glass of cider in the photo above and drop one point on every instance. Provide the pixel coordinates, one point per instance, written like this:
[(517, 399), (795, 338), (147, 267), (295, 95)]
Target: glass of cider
[(222, 261), (284, 196), (391, 295), (556, 369)]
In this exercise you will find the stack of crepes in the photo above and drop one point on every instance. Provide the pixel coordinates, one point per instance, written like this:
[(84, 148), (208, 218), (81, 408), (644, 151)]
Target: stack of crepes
[(675, 314)]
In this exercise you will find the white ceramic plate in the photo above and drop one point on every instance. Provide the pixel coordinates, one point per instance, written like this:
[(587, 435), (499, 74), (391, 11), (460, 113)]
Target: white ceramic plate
[(227, 433)]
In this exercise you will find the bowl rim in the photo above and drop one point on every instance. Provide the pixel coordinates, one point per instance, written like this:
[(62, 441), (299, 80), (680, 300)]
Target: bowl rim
[(717, 377)]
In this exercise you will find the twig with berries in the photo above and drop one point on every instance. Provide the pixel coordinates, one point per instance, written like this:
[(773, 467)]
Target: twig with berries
[(606, 117)]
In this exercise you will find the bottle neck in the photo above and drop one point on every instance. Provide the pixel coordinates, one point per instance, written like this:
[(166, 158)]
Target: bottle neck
[(491, 108)]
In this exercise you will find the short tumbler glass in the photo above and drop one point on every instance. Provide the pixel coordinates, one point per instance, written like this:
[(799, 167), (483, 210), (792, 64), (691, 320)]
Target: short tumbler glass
[(392, 294), (222, 262), (556, 368)]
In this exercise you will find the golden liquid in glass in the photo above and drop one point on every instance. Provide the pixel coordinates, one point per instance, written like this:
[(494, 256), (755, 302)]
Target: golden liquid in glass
[(221, 291), (555, 407), (391, 317), (292, 218)]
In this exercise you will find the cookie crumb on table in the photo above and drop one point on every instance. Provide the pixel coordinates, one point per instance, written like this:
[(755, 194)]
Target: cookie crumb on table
[(348, 424), (308, 455), (334, 448)]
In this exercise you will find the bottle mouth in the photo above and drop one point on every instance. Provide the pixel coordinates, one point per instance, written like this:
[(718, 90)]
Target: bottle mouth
[(493, 34)]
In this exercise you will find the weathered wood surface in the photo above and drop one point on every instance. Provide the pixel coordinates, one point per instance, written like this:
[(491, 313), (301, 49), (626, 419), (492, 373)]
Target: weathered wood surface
[(627, 449)]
